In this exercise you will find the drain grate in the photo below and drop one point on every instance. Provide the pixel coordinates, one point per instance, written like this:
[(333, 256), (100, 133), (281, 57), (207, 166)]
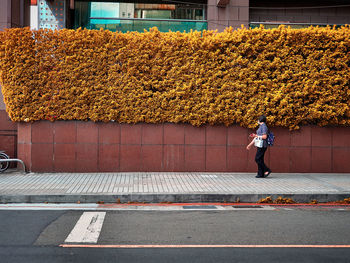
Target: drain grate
[(247, 206), (199, 207)]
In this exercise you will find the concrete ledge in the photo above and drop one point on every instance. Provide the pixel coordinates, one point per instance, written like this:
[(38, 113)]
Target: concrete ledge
[(173, 198)]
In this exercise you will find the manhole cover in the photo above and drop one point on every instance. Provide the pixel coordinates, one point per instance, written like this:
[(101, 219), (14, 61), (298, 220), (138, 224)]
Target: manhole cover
[(199, 207)]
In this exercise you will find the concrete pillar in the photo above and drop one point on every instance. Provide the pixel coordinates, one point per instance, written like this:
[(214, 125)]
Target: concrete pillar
[(224, 13), (5, 14), (34, 17)]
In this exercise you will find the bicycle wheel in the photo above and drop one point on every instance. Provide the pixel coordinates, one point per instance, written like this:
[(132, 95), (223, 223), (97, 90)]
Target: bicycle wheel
[(4, 165)]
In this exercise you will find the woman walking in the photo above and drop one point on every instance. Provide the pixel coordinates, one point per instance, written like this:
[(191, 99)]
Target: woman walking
[(259, 140)]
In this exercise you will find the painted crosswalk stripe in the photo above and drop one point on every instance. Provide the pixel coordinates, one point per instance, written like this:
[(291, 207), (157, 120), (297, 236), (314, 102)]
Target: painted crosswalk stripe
[(87, 229)]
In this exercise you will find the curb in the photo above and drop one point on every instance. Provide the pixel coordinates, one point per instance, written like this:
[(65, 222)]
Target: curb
[(173, 198)]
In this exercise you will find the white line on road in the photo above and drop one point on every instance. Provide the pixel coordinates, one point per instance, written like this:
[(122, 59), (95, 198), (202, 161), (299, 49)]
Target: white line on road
[(87, 229)]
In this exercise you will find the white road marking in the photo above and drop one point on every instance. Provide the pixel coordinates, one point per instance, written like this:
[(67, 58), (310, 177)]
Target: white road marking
[(87, 229)]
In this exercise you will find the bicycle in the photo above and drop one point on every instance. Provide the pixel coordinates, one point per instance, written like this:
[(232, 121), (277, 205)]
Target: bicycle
[(4, 165)]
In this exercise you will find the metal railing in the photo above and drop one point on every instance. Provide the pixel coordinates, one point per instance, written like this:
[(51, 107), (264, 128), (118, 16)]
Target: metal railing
[(139, 24), (147, 19), (15, 160), (257, 24)]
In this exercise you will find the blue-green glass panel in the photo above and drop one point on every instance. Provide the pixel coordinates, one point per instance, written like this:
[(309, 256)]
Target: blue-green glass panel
[(165, 14), (104, 9), (141, 25)]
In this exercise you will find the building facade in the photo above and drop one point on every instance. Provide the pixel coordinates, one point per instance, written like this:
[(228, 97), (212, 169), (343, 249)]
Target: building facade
[(299, 14), (186, 15), (138, 15)]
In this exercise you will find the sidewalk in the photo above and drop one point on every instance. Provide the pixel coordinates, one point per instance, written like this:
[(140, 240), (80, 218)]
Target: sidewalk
[(17, 187)]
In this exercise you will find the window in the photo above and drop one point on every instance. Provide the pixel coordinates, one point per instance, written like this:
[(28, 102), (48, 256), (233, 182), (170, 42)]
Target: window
[(139, 16)]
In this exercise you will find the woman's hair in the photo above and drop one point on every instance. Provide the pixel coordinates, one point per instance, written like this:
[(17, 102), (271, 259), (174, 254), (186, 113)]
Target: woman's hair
[(262, 118)]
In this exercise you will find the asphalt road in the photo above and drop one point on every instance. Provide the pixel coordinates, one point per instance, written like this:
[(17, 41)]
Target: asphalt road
[(36, 236)]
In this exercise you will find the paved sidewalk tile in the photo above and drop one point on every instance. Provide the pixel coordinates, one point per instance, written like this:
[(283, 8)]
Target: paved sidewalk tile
[(14, 183)]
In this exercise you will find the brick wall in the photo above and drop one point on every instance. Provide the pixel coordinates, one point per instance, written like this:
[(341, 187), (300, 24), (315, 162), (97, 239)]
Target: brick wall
[(74, 146)]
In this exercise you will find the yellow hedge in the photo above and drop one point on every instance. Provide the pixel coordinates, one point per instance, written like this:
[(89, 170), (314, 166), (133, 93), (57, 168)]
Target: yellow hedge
[(294, 76)]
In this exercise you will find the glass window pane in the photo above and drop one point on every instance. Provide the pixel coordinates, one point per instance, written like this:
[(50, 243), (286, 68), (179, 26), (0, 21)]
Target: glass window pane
[(125, 16), (104, 9), (165, 14)]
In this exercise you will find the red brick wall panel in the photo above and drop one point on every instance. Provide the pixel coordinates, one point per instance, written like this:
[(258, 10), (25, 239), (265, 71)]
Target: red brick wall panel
[(152, 134), (322, 136), (216, 159), (301, 137), (25, 133), (216, 135), (267, 157), (194, 135), (279, 159), (131, 134), (87, 132), (109, 133), (237, 158), (341, 137), (321, 160), (43, 132), (6, 123), (174, 134), (42, 157), (25, 154), (65, 131), (109, 157), (130, 158), (151, 156), (87, 157), (7, 144), (300, 160), (283, 136), (112, 147), (237, 135), (341, 157), (194, 158), (64, 158), (251, 164), (174, 158)]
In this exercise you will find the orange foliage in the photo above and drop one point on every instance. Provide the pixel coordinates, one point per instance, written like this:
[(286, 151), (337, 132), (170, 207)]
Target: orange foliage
[(294, 76)]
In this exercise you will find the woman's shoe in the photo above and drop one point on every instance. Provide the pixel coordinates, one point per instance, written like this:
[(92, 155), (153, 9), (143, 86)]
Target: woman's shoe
[(258, 176), (268, 173)]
